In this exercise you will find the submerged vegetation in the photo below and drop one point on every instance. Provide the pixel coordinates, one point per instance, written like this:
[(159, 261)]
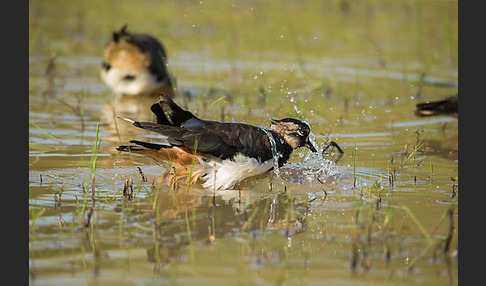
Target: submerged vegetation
[(384, 212)]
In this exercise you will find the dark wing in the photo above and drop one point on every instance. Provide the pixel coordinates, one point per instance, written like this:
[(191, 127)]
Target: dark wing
[(226, 139), (222, 140)]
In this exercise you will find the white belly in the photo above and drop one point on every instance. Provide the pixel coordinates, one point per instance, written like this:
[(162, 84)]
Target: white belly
[(226, 174), (143, 83)]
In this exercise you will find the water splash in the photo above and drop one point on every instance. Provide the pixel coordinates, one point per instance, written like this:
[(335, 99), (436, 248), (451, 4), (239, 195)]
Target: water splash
[(311, 167), (276, 155)]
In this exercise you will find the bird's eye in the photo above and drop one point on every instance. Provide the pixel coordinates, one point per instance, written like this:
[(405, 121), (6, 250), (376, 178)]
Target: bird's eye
[(106, 66), (129, 77)]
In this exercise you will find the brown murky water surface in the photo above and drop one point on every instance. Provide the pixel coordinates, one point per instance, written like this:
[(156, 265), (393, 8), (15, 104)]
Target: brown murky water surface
[(385, 213)]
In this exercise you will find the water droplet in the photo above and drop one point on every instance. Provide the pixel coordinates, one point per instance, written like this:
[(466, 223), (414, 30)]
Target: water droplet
[(297, 110)]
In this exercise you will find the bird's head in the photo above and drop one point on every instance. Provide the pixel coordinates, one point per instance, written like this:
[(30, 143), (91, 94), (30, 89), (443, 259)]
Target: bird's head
[(294, 132)]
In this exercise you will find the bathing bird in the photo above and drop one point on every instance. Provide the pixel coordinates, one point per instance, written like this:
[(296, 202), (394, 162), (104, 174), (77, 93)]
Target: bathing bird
[(220, 154)]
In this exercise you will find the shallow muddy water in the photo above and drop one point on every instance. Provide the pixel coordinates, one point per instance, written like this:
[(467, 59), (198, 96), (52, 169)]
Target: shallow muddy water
[(385, 213)]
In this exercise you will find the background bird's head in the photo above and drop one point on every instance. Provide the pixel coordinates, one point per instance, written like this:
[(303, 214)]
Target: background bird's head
[(294, 132), (124, 52), (135, 64)]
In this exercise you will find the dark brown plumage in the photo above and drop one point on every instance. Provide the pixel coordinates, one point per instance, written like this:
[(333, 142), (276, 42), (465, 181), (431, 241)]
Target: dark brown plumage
[(448, 106)]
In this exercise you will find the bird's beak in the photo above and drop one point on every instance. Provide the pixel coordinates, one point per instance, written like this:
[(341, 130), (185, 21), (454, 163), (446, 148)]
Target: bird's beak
[(311, 146)]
